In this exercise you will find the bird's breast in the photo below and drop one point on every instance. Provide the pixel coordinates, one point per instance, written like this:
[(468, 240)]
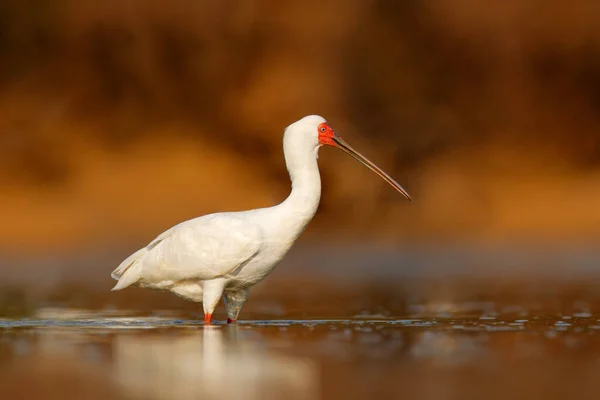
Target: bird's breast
[(261, 265)]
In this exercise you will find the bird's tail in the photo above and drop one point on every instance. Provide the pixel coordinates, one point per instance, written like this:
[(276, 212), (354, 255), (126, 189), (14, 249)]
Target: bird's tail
[(130, 270)]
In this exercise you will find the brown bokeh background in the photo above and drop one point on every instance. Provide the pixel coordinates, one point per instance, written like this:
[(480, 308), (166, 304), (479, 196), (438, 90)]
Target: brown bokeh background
[(120, 119)]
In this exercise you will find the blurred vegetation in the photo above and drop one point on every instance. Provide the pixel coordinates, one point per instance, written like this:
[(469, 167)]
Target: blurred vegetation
[(462, 101), (15, 303)]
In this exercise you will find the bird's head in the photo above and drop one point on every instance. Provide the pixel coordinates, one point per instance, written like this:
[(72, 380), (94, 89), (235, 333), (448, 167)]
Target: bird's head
[(313, 131)]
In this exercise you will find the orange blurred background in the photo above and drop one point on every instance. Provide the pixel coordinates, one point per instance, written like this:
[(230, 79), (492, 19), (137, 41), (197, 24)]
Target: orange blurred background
[(120, 119)]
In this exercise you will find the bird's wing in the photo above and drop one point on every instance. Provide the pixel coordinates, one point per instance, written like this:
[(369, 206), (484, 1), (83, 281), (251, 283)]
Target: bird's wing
[(130, 270), (204, 248)]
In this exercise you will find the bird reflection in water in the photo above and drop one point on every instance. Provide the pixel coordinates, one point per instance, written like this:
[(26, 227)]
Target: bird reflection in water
[(214, 362)]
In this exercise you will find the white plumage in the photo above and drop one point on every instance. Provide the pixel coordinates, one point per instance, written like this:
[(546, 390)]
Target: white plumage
[(225, 254)]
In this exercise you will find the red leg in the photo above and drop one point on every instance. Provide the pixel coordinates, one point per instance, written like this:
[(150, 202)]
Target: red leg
[(207, 318), (230, 321)]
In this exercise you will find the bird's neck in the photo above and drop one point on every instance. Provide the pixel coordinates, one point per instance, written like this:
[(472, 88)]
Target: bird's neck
[(302, 203), (306, 183)]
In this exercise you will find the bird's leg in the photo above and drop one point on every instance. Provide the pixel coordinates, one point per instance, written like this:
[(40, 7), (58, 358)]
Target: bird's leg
[(234, 300), (212, 291)]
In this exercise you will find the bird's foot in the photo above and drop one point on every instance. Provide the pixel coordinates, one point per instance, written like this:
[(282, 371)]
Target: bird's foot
[(230, 321), (207, 318)]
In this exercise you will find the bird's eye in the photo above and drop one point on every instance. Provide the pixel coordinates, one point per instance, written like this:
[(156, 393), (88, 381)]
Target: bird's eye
[(322, 129)]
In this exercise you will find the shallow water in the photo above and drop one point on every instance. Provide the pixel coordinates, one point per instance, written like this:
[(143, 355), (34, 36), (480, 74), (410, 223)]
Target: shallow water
[(71, 353), (418, 325)]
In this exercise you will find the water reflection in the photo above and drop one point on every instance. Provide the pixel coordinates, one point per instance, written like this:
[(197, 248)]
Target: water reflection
[(445, 348), (209, 363), (92, 355)]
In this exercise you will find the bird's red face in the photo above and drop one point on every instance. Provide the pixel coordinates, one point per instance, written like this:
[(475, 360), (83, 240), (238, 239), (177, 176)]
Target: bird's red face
[(327, 136)]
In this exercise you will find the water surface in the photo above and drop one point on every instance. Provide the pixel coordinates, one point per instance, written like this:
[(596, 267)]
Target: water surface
[(418, 325)]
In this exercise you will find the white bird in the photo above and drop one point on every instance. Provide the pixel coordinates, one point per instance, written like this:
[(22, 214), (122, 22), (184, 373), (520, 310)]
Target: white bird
[(225, 254)]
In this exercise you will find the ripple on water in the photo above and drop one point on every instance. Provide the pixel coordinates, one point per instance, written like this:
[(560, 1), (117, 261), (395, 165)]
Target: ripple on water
[(490, 321)]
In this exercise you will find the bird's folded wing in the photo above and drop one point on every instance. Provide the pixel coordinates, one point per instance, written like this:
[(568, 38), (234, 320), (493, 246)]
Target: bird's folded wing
[(205, 248)]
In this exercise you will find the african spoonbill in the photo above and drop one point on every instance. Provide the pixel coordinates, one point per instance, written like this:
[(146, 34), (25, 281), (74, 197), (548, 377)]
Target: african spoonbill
[(225, 254)]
